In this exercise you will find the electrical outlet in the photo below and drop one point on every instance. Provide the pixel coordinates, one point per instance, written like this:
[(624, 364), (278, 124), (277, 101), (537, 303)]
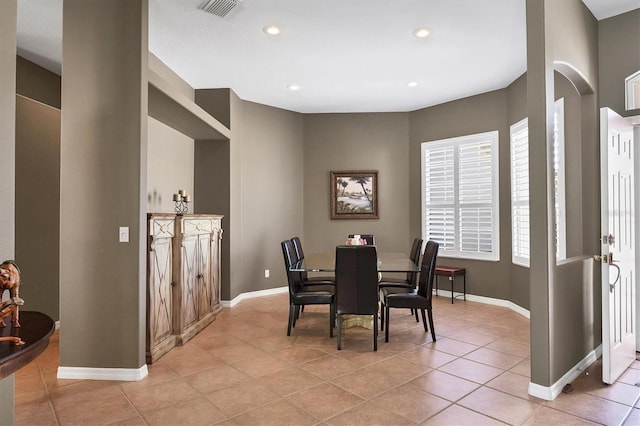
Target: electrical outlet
[(266, 273)]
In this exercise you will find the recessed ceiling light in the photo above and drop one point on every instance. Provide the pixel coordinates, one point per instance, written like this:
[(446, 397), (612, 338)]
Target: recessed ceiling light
[(421, 32), (271, 29), (412, 83), (293, 87)]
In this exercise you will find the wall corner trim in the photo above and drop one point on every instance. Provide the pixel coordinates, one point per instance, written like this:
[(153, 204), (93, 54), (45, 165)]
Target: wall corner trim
[(252, 294), (551, 392), (118, 374)]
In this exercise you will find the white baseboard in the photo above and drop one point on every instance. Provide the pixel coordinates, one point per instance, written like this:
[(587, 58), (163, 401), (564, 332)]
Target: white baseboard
[(551, 392), (119, 374), (488, 301), (252, 294)]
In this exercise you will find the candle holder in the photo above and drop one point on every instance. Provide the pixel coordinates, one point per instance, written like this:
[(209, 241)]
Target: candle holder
[(182, 201)]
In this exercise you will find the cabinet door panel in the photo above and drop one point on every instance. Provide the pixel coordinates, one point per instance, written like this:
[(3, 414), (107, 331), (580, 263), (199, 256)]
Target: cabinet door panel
[(204, 274), (215, 267), (160, 308), (189, 279)]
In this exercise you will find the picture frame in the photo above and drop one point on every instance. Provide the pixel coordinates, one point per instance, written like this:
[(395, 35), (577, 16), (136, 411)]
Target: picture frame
[(354, 194)]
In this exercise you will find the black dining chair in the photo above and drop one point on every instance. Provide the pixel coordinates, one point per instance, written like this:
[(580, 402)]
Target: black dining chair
[(419, 298), (357, 285), (304, 277), (299, 295), (369, 239), (410, 280)]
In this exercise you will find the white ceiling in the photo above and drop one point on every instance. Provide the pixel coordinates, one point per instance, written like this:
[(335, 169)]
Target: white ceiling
[(346, 56)]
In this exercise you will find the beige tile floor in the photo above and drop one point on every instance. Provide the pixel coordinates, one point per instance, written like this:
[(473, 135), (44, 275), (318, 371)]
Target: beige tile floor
[(244, 370)]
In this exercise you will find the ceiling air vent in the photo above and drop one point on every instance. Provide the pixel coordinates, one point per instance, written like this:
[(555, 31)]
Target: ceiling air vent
[(219, 7)]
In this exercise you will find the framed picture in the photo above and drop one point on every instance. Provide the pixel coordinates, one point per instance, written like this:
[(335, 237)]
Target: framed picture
[(354, 194)]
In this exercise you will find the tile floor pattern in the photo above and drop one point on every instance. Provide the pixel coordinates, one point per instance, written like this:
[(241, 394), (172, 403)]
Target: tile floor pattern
[(244, 370)]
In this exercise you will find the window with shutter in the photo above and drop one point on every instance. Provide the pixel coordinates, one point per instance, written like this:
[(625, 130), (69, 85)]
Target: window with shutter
[(520, 243), (559, 180), (520, 193), (460, 196)]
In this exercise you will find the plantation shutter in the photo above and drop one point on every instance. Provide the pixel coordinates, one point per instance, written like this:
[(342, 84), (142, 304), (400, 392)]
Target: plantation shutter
[(520, 193), (460, 195), (440, 196), (475, 196), (559, 180)]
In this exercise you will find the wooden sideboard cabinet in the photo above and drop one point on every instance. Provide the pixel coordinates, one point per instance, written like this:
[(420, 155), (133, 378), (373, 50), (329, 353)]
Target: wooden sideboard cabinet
[(160, 233), (183, 278), (196, 273)]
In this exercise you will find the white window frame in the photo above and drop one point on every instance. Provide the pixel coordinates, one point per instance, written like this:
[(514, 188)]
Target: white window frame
[(456, 206), (520, 252), (560, 200), (520, 228)]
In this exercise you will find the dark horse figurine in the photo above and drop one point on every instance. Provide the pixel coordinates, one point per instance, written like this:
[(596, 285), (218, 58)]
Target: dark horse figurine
[(10, 280)]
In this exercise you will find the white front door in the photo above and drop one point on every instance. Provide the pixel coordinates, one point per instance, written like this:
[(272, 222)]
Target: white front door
[(618, 244)]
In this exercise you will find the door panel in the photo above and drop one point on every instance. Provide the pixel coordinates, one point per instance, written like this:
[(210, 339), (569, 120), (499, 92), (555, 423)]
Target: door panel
[(618, 251)]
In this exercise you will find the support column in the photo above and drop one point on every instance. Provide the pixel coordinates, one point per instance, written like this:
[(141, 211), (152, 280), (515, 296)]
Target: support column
[(8, 24), (102, 188), (540, 87)]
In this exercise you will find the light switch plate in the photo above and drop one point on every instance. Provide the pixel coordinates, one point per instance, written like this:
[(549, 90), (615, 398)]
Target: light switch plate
[(124, 234)]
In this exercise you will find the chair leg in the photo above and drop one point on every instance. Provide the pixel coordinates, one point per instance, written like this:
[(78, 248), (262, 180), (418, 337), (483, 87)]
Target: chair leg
[(331, 319), (386, 325), (339, 331), (297, 314), (424, 321), (382, 317), (433, 330), (291, 318), (415, 311), (375, 332)]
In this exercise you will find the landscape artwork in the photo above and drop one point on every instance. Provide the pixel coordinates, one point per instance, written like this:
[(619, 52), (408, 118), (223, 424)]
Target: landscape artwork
[(354, 194)]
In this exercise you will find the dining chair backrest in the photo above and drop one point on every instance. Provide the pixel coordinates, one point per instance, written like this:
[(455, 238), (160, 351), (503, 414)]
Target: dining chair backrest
[(356, 280), (370, 239), (297, 245), (288, 253), (428, 270), (414, 255)]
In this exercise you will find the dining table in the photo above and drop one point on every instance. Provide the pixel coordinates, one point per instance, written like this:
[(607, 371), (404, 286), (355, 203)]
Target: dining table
[(388, 262)]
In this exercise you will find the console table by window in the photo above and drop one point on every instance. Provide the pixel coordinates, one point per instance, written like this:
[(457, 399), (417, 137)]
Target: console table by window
[(452, 272)]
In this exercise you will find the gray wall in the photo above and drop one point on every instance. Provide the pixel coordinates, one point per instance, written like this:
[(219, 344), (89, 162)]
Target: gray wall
[(169, 167), (212, 172), (38, 83), (619, 49), (255, 181), (356, 142), (516, 111), (8, 20), (38, 204), (38, 186), (270, 192), (103, 184)]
